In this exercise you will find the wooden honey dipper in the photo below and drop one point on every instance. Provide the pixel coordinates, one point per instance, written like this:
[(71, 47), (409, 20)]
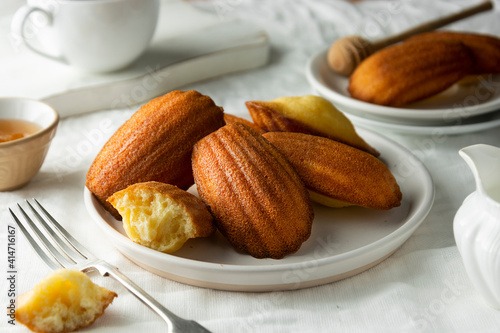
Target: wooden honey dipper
[(346, 53)]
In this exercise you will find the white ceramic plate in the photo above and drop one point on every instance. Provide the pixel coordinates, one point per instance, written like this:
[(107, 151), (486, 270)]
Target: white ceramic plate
[(460, 101), (343, 242)]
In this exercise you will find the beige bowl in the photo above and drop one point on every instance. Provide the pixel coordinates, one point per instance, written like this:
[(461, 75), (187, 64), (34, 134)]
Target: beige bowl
[(21, 159)]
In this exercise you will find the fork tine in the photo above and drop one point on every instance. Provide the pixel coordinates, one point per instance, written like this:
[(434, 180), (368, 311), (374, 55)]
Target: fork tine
[(66, 235), (45, 242), (50, 261), (69, 251)]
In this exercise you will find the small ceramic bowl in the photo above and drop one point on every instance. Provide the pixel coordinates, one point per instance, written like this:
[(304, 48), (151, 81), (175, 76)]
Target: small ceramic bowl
[(21, 159)]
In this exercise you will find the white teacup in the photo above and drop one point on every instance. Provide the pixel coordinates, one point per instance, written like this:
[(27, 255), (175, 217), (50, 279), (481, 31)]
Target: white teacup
[(92, 35)]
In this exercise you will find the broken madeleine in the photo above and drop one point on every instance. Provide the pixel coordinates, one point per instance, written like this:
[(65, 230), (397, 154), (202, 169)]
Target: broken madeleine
[(162, 216), (307, 114), (64, 301)]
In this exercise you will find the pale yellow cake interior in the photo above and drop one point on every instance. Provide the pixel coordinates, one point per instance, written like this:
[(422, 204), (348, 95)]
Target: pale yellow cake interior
[(64, 301), (327, 201), (153, 220)]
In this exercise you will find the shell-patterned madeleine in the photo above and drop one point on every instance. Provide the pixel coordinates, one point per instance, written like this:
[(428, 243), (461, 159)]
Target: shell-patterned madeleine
[(411, 71), (308, 114), (155, 144), (258, 201), (338, 175)]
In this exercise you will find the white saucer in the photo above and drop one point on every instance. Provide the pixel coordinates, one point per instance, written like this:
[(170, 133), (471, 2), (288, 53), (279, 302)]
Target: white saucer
[(458, 102), (343, 242)]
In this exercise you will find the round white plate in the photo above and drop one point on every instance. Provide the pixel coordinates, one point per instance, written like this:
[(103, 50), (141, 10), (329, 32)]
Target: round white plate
[(460, 101), (343, 242)]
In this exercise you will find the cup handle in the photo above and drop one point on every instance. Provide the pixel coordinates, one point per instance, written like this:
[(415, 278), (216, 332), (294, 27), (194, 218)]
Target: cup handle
[(17, 29)]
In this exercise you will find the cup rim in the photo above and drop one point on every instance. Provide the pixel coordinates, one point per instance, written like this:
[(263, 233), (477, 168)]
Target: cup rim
[(37, 134)]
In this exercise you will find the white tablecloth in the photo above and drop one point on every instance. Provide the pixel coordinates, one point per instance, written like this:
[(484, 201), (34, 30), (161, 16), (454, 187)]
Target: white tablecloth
[(422, 287)]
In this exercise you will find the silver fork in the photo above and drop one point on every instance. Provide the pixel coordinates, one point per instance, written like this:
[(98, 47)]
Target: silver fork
[(72, 254)]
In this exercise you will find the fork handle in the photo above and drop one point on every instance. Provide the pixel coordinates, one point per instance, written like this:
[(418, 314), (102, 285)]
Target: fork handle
[(175, 323)]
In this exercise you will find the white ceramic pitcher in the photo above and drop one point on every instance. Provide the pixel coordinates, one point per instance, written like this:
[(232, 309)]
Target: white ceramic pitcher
[(477, 223)]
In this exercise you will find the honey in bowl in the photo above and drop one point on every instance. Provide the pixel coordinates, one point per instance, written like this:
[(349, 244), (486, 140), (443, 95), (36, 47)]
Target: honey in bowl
[(13, 129)]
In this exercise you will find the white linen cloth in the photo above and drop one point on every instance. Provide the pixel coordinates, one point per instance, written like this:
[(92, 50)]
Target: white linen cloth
[(422, 287)]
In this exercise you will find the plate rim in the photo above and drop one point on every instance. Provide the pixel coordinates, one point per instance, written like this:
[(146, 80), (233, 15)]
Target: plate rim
[(403, 231), (393, 113), (426, 129)]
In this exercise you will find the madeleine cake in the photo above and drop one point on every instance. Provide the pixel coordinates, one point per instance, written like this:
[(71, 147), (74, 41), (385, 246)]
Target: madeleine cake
[(64, 301), (338, 175), (257, 199), (162, 216), (409, 72), (155, 144), (306, 114)]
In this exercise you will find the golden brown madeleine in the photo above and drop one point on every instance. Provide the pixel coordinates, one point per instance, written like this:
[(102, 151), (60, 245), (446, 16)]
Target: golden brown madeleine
[(259, 202), (409, 72), (485, 48), (338, 175), (154, 144), (306, 114), (162, 216), (230, 118)]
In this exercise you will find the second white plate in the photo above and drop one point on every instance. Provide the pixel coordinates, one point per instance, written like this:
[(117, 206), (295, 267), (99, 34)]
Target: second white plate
[(460, 101), (343, 242)]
